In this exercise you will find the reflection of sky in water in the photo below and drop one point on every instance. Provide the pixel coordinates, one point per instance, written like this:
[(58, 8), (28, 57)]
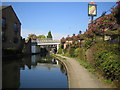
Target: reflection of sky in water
[(43, 75)]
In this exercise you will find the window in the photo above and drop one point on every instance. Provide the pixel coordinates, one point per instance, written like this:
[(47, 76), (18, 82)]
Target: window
[(15, 27), (3, 23)]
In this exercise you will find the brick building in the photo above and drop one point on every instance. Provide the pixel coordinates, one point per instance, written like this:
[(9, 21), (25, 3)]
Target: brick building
[(11, 30)]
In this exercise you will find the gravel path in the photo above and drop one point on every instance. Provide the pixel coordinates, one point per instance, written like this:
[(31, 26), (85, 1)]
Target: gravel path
[(78, 76)]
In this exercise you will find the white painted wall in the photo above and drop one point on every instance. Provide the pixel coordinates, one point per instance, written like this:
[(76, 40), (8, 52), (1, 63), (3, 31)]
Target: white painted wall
[(35, 49)]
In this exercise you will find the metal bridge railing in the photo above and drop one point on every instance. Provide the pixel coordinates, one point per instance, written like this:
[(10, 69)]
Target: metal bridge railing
[(46, 40)]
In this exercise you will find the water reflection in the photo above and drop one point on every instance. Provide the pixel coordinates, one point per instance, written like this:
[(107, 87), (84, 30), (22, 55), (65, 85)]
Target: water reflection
[(34, 71), (11, 74)]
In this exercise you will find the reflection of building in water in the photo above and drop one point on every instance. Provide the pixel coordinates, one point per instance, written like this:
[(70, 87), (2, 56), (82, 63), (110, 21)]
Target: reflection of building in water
[(33, 60), (26, 61), (48, 61), (10, 74)]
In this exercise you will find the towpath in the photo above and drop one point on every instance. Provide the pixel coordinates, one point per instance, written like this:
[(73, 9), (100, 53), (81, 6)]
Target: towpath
[(79, 77)]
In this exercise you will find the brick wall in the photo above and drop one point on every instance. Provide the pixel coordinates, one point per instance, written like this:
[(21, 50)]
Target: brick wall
[(12, 38)]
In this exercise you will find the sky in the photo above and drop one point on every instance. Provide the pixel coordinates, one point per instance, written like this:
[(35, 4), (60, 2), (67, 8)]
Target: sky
[(61, 18)]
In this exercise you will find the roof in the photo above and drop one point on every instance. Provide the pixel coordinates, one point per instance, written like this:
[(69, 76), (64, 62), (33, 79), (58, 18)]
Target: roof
[(6, 6)]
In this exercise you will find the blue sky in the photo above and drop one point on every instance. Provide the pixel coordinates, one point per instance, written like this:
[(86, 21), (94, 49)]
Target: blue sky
[(61, 18)]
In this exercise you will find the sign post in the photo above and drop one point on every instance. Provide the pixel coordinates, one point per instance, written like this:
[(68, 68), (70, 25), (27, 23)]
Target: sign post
[(92, 10)]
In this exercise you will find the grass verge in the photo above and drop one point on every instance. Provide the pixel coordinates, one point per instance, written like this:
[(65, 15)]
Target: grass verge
[(91, 69), (58, 56)]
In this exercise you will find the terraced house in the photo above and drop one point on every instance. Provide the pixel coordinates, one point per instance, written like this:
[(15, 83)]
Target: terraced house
[(11, 31)]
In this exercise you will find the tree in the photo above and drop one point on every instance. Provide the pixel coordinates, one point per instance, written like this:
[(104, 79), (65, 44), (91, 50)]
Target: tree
[(63, 40), (73, 34), (32, 36), (49, 35), (80, 32), (41, 36)]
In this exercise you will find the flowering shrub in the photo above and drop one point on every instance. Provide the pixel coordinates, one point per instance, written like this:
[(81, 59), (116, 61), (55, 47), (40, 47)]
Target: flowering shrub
[(106, 55), (74, 38), (104, 22), (63, 40), (89, 34), (116, 12), (68, 38)]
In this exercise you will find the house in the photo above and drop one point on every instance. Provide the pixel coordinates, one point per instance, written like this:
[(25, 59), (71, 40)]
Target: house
[(11, 30)]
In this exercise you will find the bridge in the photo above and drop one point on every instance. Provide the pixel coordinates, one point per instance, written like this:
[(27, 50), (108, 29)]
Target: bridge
[(47, 43)]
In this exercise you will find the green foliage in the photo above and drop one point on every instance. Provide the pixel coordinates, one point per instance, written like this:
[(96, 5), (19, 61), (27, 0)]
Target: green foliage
[(86, 65), (101, 46), (41, 36), (49, 35), (80, 53), (58, 57), (109, 64), (77, 52), (60, 51), (71, 52), (66, 52), (107, 60), (88, 43), (32, 36)]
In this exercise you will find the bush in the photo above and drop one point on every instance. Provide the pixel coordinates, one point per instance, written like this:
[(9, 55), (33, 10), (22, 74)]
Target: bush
[(71, 52), (107, 61), (60, 51), (88, 43), (80, 53), (77, 52), (109, 64)]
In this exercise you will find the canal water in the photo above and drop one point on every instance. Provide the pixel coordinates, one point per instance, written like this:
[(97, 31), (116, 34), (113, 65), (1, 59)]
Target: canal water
[(34, 71)]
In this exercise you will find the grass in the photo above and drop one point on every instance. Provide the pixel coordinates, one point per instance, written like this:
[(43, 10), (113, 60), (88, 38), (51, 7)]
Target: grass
[(58, 57), (95, 73), (90, 69), (86, 65)]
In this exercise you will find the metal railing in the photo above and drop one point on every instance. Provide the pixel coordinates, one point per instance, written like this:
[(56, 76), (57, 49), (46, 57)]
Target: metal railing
[(46, 40)]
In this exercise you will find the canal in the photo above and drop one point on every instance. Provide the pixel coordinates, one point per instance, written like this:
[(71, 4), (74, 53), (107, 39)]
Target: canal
[(34, 71)]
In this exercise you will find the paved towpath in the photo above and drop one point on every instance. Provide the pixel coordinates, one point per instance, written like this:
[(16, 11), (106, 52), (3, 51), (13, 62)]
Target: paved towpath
[(78, 76)]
